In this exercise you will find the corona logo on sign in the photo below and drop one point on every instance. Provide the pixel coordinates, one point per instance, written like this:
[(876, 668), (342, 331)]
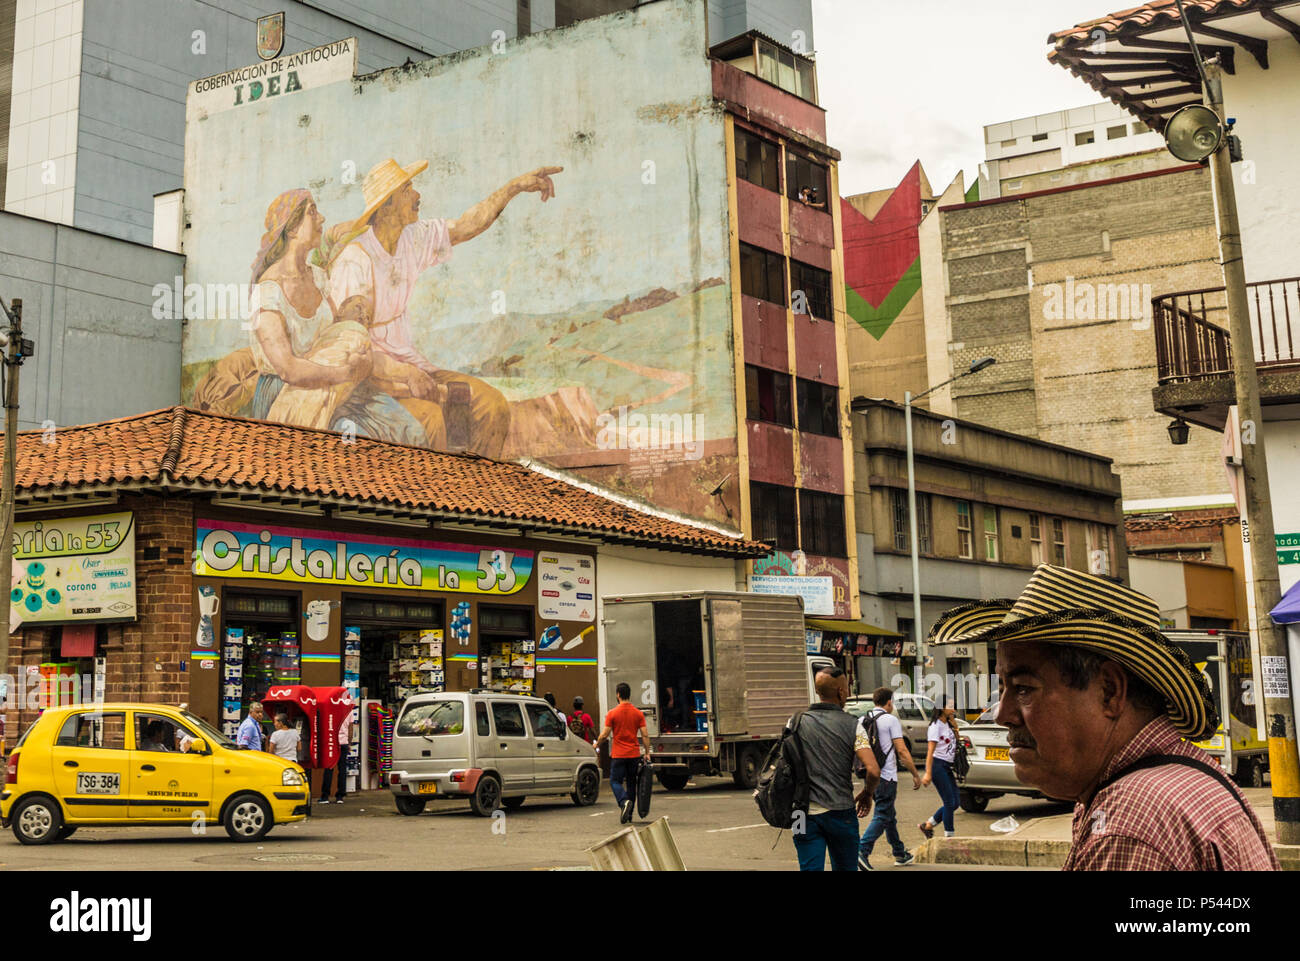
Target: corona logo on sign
[(270, 36)]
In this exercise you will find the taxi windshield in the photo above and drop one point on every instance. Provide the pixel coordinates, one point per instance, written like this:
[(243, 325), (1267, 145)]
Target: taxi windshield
[(208, 731)]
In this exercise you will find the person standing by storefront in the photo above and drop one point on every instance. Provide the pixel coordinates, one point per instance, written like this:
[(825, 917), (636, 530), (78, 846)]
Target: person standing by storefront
[(580, 722), (340, 768), (250, 734), (624, 722), (285, 740)]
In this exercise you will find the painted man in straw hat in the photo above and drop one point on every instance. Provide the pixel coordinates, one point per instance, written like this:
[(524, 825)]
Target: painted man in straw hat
[(373, 272), (1100, 707)]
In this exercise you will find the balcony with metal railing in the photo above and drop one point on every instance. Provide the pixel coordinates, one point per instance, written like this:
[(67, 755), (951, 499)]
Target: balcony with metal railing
[(1194, 349)]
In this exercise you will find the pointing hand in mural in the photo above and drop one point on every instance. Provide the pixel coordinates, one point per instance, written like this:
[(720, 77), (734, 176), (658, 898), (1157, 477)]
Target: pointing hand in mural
[(484, 213)]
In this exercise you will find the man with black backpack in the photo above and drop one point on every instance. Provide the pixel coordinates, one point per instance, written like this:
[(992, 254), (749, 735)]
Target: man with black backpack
[(827, 745), (883, 734)]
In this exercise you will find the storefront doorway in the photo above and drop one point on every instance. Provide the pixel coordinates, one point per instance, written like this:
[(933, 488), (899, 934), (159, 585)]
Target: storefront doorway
[(400, 647), (260, 647)]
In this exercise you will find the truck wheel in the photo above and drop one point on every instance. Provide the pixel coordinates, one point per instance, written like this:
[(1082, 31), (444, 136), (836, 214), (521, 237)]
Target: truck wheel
[(410, 806), (748, 764), (247, 818), (673, 781), (486, 797), (588, 787), (37, 820), (1250, 773), (973, 801)]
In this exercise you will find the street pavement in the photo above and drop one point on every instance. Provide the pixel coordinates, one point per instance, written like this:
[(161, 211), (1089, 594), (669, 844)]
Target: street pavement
[(715, 824)]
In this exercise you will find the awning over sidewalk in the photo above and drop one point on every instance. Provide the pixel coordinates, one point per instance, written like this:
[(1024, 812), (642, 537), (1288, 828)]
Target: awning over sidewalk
[(1288, 609), (848, 627)]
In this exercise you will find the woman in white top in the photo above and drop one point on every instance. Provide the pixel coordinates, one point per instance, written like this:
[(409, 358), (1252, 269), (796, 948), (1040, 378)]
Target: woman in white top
[(312, 363), (941, 749)]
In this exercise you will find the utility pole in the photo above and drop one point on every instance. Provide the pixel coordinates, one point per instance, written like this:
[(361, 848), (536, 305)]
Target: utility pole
[(13, 361), (1283, 761)]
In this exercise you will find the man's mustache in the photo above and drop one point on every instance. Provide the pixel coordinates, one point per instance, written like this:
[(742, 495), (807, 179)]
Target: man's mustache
[(1021, 739)]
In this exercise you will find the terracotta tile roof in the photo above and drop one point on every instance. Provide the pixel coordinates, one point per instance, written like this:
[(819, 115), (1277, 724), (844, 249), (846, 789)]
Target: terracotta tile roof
[(1161, 14), (1180, 520), (182, 446)]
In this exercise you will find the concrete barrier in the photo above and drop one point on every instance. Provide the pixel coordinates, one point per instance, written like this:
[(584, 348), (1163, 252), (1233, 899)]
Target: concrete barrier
[(650, 848)]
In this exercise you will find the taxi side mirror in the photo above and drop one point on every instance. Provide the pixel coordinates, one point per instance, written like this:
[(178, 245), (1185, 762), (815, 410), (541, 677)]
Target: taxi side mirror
[(199, 746)]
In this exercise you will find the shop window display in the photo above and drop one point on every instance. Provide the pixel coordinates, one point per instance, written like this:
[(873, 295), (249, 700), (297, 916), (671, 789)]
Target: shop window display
[(507, 649), (258, 650)]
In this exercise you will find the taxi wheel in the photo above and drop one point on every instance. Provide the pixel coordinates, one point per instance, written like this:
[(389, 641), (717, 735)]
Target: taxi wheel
[(247, 818), (37, 820), (486, 797), (588, 787), (67, 831), (410, 806)]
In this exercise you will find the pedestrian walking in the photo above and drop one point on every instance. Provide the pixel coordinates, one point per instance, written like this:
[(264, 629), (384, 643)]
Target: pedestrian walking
[(940, 751), (827, 738), (340, 768), (549, 698), (285, 740), (624, 723), (250, 734), (1100, 708), (887, 740), (580, 722)]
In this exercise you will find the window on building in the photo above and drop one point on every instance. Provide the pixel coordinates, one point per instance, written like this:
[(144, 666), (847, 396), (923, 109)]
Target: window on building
[(773, 510), (819, 408), (902, 526), (965, 544), (1036, 539), (806, 180), (758, 160), (1087, 137), (767, 396), (990, 533), (762, 274), (1009, 143), (821, 524), (1115, 133), (1058, 542), (1039, 137), (1099, 550), (787, 70), (814, 284), (1140, 128)]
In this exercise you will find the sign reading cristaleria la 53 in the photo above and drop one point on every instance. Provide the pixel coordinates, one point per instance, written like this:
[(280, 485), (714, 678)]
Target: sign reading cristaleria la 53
[(74, 569), (228, 549)]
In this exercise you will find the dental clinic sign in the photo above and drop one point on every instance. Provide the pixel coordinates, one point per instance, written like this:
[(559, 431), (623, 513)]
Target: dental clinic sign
[(228, 549), (272, 78)]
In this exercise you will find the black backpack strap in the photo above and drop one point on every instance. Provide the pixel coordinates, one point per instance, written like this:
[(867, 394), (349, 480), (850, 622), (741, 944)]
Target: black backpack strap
[(1160, 760), (877, 715)]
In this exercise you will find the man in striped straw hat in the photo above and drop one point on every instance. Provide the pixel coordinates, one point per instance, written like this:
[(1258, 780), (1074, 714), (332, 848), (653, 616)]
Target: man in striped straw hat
[(1100, 706)]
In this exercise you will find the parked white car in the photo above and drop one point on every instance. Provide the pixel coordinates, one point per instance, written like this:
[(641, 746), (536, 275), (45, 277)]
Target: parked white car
[(913, 712)]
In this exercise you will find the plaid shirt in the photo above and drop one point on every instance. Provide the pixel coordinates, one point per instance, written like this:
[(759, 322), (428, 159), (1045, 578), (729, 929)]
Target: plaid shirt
[(1168, 818)]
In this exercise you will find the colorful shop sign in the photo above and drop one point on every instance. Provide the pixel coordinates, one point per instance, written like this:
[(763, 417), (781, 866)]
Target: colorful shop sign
[(567, 584), (229, 549), (74, 569)]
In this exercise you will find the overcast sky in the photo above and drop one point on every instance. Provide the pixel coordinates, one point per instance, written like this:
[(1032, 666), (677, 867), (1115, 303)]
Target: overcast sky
[(921, 78)]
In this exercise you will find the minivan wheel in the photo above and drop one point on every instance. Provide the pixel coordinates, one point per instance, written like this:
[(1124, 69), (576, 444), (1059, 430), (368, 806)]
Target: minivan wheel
[(513, 803), (588, 788), (973, 801), (37, 820), (247, 818), (486, 797), (410, 806)]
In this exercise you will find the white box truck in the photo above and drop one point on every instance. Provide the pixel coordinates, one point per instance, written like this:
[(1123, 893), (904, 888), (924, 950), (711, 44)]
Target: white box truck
[(1224, 658), (717, 675)]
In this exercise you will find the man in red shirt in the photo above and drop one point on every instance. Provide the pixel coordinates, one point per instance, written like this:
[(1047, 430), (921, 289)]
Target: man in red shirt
[(624, 722), (585, 727)]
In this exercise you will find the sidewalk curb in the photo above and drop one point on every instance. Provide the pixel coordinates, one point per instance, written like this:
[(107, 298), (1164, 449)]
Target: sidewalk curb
[(1033, 852)]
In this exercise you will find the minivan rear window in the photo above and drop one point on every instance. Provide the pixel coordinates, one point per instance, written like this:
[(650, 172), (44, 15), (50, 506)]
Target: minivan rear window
[(431, 718)]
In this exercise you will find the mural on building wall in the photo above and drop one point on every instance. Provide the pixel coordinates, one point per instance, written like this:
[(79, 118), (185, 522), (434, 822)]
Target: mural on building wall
[(456, 255), (882, 254)]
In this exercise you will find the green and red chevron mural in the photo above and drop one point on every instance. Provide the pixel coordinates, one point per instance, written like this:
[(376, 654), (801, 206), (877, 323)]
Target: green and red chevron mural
[(882, 256)]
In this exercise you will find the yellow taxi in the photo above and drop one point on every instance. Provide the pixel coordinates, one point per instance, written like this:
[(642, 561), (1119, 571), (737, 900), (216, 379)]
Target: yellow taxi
[(143, 764)]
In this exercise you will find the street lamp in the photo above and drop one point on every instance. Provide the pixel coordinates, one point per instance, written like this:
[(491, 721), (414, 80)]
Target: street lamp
[(975, 368), (1178, 431)]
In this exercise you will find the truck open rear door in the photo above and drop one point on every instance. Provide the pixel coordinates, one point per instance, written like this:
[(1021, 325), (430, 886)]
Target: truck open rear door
[(630, 657)]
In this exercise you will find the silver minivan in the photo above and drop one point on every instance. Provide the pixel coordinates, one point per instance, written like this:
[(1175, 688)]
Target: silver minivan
[(489, 748)]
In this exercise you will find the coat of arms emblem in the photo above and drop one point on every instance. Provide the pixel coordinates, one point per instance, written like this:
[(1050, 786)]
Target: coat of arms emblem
[(270, 36)]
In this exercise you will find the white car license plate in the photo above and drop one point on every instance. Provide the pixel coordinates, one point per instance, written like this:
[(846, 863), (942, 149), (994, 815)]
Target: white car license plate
[(997, 754), (427, 787), (99, 783)]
